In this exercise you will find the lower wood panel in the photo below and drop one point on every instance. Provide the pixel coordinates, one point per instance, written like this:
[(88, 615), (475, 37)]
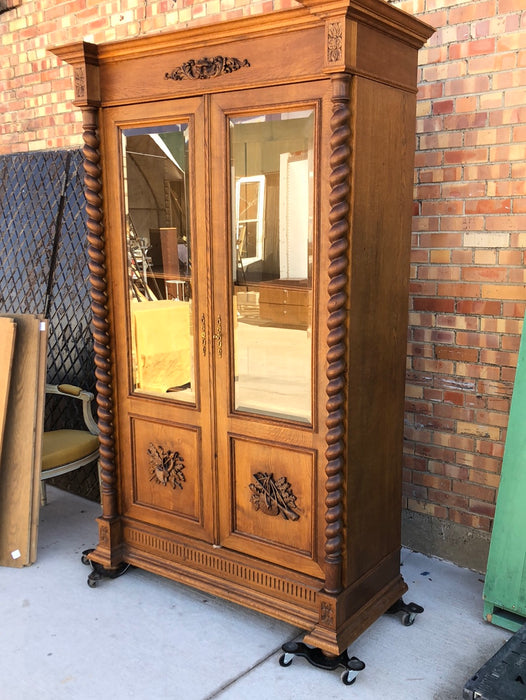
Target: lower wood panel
[(271, 590)]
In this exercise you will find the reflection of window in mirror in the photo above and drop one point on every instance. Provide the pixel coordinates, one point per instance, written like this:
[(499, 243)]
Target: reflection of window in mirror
[(250, 198), (272, 159)]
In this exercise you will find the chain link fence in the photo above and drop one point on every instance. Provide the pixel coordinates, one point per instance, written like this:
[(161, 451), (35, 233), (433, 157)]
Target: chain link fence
[(44, 270)]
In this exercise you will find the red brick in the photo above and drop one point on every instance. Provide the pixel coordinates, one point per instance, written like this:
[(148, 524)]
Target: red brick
[(457, 354), (483, 274), (507, 374), (513, 116), (467, 86), (478, 371), (435, 453), (494, 449), (511, 343), (476, 491), (470, 520), (484, 308), (436, 272), (479, 47), (482, 508), (458, 321), (516, 275), (433, 304), (452, 174), (432, 481), (514, 309), (444, 207), (446, 498), (496, 171), (415, 463), (413, 491), (466, 155), (506, 223), (440, 240), (454, 397), (421, 506), (443, 107), (451, 412), (472, 11), (488, 206), (501, 359), (433, 395)]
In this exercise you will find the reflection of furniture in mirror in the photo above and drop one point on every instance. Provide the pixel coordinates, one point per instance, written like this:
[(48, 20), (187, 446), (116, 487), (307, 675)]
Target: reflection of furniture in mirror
[(286, 302), (290, 502), (281, 302), (169, 263), (162, 344)]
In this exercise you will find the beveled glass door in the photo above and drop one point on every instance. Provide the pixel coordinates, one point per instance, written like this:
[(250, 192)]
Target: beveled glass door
[(155, 177), (264, 270), (272, 215)]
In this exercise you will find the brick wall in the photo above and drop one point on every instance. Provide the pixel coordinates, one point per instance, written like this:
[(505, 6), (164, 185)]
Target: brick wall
[(35, 109), (467, 275), (468, 293)]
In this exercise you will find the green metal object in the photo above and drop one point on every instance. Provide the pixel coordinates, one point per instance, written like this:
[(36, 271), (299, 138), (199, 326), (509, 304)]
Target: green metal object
[(505, 585)]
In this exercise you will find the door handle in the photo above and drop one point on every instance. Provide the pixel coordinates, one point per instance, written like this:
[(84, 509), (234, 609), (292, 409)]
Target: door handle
[(218, 337)]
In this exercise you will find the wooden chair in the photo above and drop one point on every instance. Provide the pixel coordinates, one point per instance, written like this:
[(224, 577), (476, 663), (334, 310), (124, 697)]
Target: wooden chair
[(64, 450)]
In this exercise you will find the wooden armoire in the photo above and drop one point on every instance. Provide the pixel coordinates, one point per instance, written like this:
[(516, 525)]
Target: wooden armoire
[(249, 188)]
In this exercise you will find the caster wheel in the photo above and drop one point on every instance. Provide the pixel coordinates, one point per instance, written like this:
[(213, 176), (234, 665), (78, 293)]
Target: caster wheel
[(408, 619), (84, 559), (284, 660), (348, 677), (92, 583)]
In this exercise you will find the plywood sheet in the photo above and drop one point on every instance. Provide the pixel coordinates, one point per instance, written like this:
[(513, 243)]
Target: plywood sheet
[(21, 452), (7, 344)]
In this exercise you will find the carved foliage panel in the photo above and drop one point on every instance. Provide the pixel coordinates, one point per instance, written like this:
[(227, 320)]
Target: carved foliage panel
[(165, 475), (272, 494)]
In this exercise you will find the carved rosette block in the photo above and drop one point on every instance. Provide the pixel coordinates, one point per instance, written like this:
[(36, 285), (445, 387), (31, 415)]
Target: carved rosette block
[(334, 42), (99, 308), (273, 497), (336, 354), (205, 68), (79, 79), (166, 466)]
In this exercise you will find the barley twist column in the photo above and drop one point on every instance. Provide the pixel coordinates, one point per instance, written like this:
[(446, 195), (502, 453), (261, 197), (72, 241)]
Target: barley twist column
[(337, 346), (99, 308)]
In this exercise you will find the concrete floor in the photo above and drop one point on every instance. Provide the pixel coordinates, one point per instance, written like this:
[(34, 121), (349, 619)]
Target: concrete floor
[(144, 637)]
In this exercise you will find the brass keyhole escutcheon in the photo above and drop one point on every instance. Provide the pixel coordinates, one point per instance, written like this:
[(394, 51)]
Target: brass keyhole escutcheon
[(218, 337)]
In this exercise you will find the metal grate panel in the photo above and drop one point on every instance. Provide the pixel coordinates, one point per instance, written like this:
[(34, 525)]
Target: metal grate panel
[(44, 270)]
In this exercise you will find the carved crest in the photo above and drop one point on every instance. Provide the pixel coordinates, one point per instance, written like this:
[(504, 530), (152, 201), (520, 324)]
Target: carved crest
[(334, 42), (166, 467), (273, 497), (204, 68)]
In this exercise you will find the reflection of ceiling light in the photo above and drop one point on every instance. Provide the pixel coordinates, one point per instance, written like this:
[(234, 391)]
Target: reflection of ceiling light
[(164, 148)]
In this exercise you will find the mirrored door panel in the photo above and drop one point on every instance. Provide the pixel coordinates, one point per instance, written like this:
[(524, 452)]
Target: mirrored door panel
[(272, 213), (159, 260)]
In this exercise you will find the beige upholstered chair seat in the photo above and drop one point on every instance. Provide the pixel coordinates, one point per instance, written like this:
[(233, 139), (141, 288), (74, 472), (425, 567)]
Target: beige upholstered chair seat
[(60, 447)]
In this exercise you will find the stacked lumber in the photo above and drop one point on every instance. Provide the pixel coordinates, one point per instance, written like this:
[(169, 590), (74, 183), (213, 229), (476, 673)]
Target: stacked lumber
[(23, 345)]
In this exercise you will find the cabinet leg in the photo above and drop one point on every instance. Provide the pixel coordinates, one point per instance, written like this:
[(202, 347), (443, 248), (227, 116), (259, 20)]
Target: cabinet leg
[(409, 611), (316, 657), (100, 572)]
